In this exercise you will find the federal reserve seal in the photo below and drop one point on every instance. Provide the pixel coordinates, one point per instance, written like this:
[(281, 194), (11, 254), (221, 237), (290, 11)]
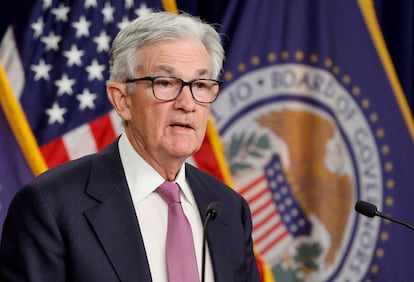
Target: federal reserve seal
[(301, 151)]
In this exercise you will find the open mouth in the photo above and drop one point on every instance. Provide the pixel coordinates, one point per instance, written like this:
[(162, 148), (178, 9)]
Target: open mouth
[(182, 125)]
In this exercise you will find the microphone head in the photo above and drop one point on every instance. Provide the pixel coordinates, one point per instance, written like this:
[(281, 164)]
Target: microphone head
[(366, 208), (213, 209)]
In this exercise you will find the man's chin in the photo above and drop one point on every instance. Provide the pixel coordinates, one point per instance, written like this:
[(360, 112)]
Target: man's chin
[(183, 151)]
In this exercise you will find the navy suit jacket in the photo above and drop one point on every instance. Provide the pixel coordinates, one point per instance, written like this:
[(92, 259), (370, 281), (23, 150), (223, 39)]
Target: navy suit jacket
[(77, 222)]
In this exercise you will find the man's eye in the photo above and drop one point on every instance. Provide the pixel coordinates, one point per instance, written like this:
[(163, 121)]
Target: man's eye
[(200, 85), (163, 82)]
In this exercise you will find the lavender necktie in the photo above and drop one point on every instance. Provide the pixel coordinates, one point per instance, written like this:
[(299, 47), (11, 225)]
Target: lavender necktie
[(181, 259)]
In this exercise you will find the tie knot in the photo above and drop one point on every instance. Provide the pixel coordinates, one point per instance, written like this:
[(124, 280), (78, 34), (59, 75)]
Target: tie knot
[(170, 192)]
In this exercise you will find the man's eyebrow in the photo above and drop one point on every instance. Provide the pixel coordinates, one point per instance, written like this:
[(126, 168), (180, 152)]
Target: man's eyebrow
[(202, 72), (171, 70), (165, 68)]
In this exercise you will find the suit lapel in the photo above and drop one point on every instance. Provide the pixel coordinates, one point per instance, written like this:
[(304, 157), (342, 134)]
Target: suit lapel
[(218, 235), (114, 219)]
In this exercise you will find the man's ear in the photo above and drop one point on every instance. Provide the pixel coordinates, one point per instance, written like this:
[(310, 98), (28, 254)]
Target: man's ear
[(118, 96)]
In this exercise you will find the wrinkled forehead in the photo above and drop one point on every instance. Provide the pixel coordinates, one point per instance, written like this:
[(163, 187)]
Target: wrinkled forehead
[(175, 57)]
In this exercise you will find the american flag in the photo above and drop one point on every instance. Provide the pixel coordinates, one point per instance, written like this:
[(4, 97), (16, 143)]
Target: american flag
[(56, 57), (277, 216)]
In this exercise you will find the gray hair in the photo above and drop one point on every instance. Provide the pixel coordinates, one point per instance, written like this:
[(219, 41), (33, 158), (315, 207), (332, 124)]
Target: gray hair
[(156, 27)]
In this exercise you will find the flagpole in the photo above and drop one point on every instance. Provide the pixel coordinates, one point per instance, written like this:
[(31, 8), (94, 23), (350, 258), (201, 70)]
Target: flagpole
[(20, 126)]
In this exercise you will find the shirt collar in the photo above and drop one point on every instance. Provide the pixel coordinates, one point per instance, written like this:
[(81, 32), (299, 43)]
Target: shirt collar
[(142, 178)]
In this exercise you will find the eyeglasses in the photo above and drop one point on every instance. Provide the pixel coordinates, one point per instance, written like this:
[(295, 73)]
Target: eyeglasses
[(169, 88)]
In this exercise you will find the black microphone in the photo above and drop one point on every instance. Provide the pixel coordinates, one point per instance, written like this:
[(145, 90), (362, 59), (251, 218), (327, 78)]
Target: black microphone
[(212, 211), (370, 210)]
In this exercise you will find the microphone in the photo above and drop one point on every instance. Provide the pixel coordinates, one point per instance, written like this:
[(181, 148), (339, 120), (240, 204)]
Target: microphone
[(212, 211), (370, 210)]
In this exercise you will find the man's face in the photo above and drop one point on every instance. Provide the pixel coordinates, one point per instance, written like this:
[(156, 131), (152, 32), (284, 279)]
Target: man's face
[(166, 131)]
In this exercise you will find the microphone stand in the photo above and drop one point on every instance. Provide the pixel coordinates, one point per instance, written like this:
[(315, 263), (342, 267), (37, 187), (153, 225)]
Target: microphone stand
[(211, 214), (380, 214)]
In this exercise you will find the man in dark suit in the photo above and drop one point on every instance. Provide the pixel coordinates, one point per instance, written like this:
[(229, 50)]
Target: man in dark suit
[(101, 217)]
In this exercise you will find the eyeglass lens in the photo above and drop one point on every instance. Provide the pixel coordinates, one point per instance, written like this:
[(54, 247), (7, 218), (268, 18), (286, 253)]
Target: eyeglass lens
[(169, 88)]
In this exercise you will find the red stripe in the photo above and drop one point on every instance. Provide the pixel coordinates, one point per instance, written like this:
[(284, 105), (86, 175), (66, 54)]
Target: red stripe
[(270, 230), (54, 153), (274, 242), (256, 197), (260, 223), (251, 185), (262, 207), (102, 131)]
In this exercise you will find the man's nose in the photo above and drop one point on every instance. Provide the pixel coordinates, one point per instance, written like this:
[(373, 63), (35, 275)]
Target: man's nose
[(185, 100)]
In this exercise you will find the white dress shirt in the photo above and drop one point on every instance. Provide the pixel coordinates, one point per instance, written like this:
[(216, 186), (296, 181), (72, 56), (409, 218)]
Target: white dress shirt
[(152, 211)]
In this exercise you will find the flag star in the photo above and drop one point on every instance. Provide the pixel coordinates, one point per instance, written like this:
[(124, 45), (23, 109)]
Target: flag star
[(143, 10), (86, 99), (41, 70), (129, 4), (82, 27), (95, 70), (123, 23), (51, 41), (56, 113), (102, 41), (64, 85), (46, 4), (38, 27), (74, 56), (108, 13), (61, 13), (90, 3)]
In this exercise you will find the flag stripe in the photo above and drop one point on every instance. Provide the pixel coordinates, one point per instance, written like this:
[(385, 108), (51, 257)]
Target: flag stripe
[(277, 240), (102, 131), (260, 195), (273, 224), (269, 232), (257, 210), (253, 184), (267, 212), (268, 217), (79, 142), (55, 153)]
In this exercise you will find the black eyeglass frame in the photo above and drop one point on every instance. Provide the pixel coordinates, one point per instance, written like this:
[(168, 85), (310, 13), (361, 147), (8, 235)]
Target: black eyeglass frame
[(183, 83)]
